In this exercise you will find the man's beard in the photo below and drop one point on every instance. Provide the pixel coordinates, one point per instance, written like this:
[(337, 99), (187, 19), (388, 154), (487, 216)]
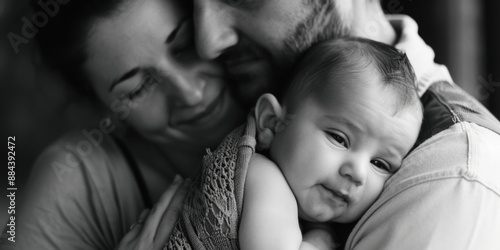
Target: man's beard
[(323, 23), (247, 86)]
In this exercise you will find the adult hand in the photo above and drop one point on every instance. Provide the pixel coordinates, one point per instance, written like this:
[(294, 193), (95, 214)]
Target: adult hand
[(154, 227), (419, 53)]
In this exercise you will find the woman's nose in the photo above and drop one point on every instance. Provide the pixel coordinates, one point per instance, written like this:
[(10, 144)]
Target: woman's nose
[(186, 91), (355, 170)]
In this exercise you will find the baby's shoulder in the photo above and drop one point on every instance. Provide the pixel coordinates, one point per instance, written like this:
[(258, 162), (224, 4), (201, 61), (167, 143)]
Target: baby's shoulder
[(261, 170), (260, 162)]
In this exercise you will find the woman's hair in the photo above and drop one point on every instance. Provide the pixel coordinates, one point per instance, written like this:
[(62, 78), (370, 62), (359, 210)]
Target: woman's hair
[(345, 60), (62, 42)]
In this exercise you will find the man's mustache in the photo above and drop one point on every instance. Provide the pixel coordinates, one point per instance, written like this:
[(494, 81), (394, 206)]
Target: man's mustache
[(240, 52)]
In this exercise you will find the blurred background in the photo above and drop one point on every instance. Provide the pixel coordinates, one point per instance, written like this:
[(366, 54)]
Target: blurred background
[(37, 107)]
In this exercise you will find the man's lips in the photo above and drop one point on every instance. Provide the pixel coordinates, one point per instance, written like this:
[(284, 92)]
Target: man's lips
[(241, 53), (234, 61), (191, 117), (242, 56), (246, 68)]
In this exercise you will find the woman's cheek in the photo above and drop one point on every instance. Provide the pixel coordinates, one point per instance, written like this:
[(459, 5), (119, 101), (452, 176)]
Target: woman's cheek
[(150, 118)]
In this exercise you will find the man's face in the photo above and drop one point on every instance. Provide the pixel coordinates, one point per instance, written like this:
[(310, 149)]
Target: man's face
[(258, 40)]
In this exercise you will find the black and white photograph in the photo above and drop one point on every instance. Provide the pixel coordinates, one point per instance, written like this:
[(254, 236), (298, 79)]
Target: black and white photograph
[(250, 124)]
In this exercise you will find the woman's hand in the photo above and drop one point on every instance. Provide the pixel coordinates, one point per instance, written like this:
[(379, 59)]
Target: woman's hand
[(154, 227)]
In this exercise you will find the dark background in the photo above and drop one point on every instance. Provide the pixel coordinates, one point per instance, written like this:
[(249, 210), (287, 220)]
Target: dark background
[(37, 107)]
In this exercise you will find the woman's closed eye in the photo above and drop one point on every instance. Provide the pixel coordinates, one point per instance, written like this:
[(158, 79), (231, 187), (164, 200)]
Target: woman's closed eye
[(338, 139), (148, 83)]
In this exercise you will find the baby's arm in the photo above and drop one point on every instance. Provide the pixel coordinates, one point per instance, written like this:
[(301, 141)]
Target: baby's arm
[(270, 216)]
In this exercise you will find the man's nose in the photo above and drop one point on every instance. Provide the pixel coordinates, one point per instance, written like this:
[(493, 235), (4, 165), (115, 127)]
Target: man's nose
[(214, 31), (355, 170), (185, 91)]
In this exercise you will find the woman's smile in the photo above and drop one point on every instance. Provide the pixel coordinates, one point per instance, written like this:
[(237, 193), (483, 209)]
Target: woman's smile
[(203, 113), (190, 106)]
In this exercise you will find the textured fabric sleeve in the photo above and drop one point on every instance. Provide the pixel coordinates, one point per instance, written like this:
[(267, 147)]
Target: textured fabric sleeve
[(77, 199), (446, 196)]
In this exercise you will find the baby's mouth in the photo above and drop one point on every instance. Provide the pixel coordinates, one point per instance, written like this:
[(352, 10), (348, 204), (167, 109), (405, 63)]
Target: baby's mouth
[(342, 196), (339, 194)]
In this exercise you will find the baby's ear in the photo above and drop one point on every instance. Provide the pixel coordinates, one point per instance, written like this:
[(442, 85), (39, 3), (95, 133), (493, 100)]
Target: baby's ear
[(268, 113)]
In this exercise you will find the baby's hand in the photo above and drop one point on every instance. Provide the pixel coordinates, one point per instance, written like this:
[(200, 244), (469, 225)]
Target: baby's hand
[(320, 236)]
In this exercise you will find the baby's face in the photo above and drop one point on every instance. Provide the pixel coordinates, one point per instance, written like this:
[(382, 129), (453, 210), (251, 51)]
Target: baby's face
[(336, 150)]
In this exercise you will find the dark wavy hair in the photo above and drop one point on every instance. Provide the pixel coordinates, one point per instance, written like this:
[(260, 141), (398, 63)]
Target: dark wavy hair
[(62, 42)]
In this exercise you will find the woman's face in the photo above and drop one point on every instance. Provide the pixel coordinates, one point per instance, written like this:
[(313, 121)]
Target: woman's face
[(143, 65)]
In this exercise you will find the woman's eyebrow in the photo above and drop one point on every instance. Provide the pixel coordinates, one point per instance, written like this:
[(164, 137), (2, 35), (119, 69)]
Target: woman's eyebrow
[(127, 75)]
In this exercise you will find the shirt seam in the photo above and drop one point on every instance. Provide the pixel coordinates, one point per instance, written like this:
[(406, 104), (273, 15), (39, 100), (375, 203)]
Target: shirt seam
[(455, 117)]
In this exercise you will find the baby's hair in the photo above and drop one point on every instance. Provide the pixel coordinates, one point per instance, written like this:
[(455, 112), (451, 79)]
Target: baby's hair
[(345, 60)]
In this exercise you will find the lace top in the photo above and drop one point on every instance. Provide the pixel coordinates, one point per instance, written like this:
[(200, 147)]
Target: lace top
[(211, 213)]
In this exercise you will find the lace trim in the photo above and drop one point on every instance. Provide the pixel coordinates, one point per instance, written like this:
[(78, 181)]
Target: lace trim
[(211, 211)]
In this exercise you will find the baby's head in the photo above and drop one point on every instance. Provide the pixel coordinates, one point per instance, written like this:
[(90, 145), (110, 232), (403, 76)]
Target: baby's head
[(349, 117)]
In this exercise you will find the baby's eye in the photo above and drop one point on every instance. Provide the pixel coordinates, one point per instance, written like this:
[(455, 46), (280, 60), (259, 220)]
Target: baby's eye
[(338, 139), (381, 164)]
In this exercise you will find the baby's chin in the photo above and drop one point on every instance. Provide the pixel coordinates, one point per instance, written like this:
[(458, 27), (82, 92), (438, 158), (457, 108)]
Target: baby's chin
[(345, 219), (326, 215)]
